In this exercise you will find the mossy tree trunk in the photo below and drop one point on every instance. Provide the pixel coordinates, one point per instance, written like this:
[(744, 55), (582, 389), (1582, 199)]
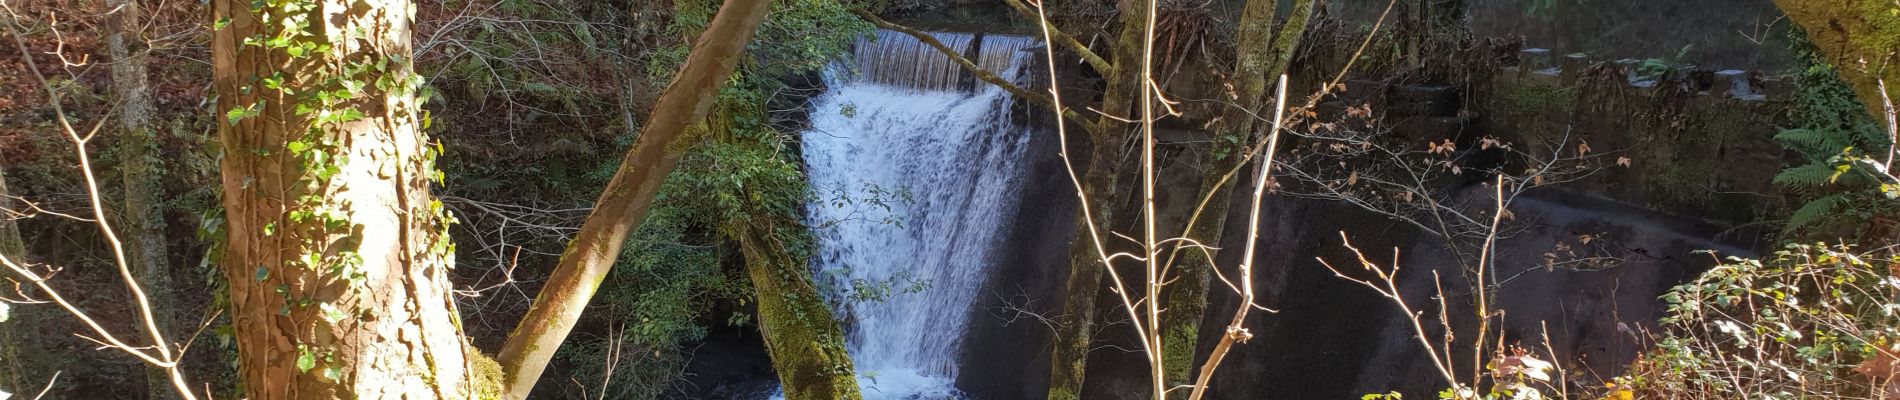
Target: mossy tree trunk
[(1075, 327), (1861, 38), (337, 256), (1262, 55), (623, 203), (141, 169), (13, 334), (803, 337)]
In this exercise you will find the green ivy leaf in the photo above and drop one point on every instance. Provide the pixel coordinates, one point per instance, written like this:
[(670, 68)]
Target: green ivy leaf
[(348, 115), (239, 114), (332, 314), (306, 361)]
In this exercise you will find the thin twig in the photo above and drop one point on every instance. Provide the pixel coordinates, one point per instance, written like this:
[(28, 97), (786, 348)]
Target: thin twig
[(1235, 331)]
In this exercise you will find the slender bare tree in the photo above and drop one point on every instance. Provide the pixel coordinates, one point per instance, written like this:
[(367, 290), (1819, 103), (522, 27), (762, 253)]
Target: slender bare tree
[(140, 167)]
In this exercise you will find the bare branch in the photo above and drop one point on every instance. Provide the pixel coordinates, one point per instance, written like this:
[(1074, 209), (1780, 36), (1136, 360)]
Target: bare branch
[(1094, 60), (1235, 332), (164, 358)]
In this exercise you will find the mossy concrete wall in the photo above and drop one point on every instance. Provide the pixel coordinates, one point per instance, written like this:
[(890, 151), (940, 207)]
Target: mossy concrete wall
[(1696, 143)]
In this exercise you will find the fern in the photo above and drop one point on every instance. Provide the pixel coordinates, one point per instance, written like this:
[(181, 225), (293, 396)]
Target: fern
[(1815, 211), (1829, 130), (1815, 145), (1805, 178)]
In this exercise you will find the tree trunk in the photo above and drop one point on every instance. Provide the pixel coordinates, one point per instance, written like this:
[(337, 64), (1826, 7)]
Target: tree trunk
[(801, 334), (337, 257), (623, 204), (1074, 328), (1861, 38), (1262, 55), (141, 169), (13, 334)]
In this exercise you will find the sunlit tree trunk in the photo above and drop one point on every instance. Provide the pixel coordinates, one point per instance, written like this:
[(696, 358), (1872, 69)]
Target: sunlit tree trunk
[(1261, 54), (337, 257), (141, 169), (803, 337), (623, 203), (1861, 38)]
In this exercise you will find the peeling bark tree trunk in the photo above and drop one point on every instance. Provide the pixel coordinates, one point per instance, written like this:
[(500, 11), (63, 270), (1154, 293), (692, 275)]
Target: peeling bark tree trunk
[(141, 170), (336, 257), (1074, 328), (12, 332), (801, 334), (623, 204), (1261, 56), (1861, 38)]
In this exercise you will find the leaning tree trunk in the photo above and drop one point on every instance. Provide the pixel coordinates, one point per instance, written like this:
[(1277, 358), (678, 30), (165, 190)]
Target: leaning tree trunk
[(1861, 38), (801, 334), (12, 331), (623, 203), (141, 168), (1261, 55), (337, 257)]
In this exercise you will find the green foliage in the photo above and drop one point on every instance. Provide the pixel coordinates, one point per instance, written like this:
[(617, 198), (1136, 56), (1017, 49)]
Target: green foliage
[(1810, 176), (799, 36), (526, 52), (742, 169), (655, 299), (1829, 131), (323, 90), (1655, 69), (1816, 210), (1808, 322)]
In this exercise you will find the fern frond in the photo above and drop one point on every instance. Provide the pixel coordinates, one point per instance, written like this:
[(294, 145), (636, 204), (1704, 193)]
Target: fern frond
[(1815, 144), (1806, 177), (1800, 137), (1814, 211)]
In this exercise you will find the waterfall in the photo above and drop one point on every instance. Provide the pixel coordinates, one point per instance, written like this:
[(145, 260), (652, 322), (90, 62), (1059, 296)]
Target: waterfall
[(911, 120)]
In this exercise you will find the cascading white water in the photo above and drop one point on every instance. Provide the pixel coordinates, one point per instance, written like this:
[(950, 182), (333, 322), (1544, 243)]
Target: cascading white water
[(901, 122)]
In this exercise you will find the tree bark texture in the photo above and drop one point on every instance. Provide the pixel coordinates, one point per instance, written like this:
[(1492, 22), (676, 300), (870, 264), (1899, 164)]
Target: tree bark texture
[(1861, 39), (1074, 328), (803, 337), (336, 255), (1262, 55), (141, 170), (624, 202), (13, 333)]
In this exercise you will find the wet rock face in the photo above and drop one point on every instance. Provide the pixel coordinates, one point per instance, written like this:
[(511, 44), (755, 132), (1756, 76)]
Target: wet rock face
[(1007, 341), (1335, 339), (1582, 267), (1583, 272)]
